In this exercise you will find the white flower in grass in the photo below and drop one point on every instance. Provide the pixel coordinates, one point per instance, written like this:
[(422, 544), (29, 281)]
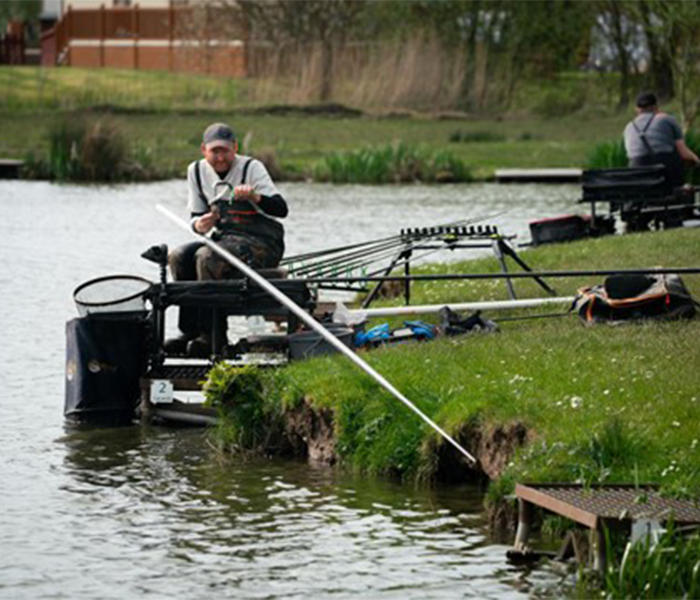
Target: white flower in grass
[(670, 469), (694, 444), (676, 424), (606, 392), (575, 401)]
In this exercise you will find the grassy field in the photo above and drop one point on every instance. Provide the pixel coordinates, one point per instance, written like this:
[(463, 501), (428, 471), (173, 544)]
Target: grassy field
[(163, 115), (601, 403)]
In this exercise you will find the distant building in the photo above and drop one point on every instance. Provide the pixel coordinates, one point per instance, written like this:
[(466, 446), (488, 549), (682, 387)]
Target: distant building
[(168, 35)]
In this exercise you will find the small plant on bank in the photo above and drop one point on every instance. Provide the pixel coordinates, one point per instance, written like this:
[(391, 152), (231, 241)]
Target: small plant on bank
[(392, 163), (692, 140), (608, 155), (104, 155), (90, 151), (239, 395), (665, 568), (65, 149)]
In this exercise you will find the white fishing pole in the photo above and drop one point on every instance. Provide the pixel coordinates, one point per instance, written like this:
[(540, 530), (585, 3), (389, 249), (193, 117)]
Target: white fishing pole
[(424, 309), (313, 323)]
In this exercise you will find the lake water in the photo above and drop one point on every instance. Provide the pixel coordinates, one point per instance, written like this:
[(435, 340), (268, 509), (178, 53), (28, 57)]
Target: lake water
[(150, 511)]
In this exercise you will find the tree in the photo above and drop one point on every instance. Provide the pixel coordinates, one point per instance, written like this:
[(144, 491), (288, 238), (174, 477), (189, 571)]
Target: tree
[(681, 31), (325, 24), (26, 11), (652, 15), (618, 28), (501, 41)]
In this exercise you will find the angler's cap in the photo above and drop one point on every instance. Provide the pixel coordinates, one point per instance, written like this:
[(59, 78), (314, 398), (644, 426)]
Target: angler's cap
[(646, 100), (218, 134)]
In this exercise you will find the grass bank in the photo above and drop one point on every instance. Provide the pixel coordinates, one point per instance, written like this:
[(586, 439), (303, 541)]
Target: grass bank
[(162, 116), (568, 402)]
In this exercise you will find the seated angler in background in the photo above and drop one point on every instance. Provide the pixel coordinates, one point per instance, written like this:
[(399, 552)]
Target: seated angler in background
[(247, 226), (654, 137)]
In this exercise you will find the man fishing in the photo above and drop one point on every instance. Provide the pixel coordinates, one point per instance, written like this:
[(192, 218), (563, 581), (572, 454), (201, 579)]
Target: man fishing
[(233, 199), (654, 137)]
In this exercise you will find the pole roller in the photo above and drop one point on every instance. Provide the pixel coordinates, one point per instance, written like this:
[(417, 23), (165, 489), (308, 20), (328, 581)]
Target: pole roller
[(313, 324)]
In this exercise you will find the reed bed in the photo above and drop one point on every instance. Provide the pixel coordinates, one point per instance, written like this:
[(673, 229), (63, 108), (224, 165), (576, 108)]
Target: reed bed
[(665, 568), (608, 155), (392, 163), (417, 74), (88, 150)]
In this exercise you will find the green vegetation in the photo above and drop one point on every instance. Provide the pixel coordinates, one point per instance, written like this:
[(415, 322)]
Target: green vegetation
[(238, 394), (35, 89), (668, 568), (88, 150), (622, 392), (692, 139), (608, 155), (161, 116), (392, 163)]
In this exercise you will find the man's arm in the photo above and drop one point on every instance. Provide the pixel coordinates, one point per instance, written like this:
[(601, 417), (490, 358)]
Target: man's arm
[(262, 191), (686, 153), (202, 218), (274, 205)]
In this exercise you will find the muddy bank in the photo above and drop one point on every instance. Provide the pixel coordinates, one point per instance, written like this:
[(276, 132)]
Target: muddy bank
[(310, 433)]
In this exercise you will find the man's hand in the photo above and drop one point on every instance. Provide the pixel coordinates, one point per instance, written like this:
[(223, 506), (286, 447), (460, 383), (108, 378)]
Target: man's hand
[(207, 221), (246, 192)]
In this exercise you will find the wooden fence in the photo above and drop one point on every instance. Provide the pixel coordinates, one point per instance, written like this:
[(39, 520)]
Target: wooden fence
[(199, 39), (12, 50)]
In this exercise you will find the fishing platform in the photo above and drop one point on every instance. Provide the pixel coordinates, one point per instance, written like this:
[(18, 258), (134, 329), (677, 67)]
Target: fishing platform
[(555, 175), (11, 168), (638, 510)]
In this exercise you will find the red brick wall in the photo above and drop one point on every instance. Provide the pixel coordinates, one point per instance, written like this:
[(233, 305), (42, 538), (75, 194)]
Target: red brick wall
[(219, 61), (154, 59), (103, 28)]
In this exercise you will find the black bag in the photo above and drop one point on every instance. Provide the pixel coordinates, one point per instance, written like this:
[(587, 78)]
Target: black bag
[(105, 358), (633, 297), (453, 324)]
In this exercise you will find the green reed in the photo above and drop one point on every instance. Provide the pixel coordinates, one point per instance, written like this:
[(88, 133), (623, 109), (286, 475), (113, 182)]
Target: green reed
[(85, 150), (392, 163), (607, 155)]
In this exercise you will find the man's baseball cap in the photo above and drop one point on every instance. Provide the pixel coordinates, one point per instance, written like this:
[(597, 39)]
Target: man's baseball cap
[(646, 99), (218, 134)]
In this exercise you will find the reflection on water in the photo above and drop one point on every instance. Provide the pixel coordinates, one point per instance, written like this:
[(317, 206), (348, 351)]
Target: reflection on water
[(116, 513), (260, 528)]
